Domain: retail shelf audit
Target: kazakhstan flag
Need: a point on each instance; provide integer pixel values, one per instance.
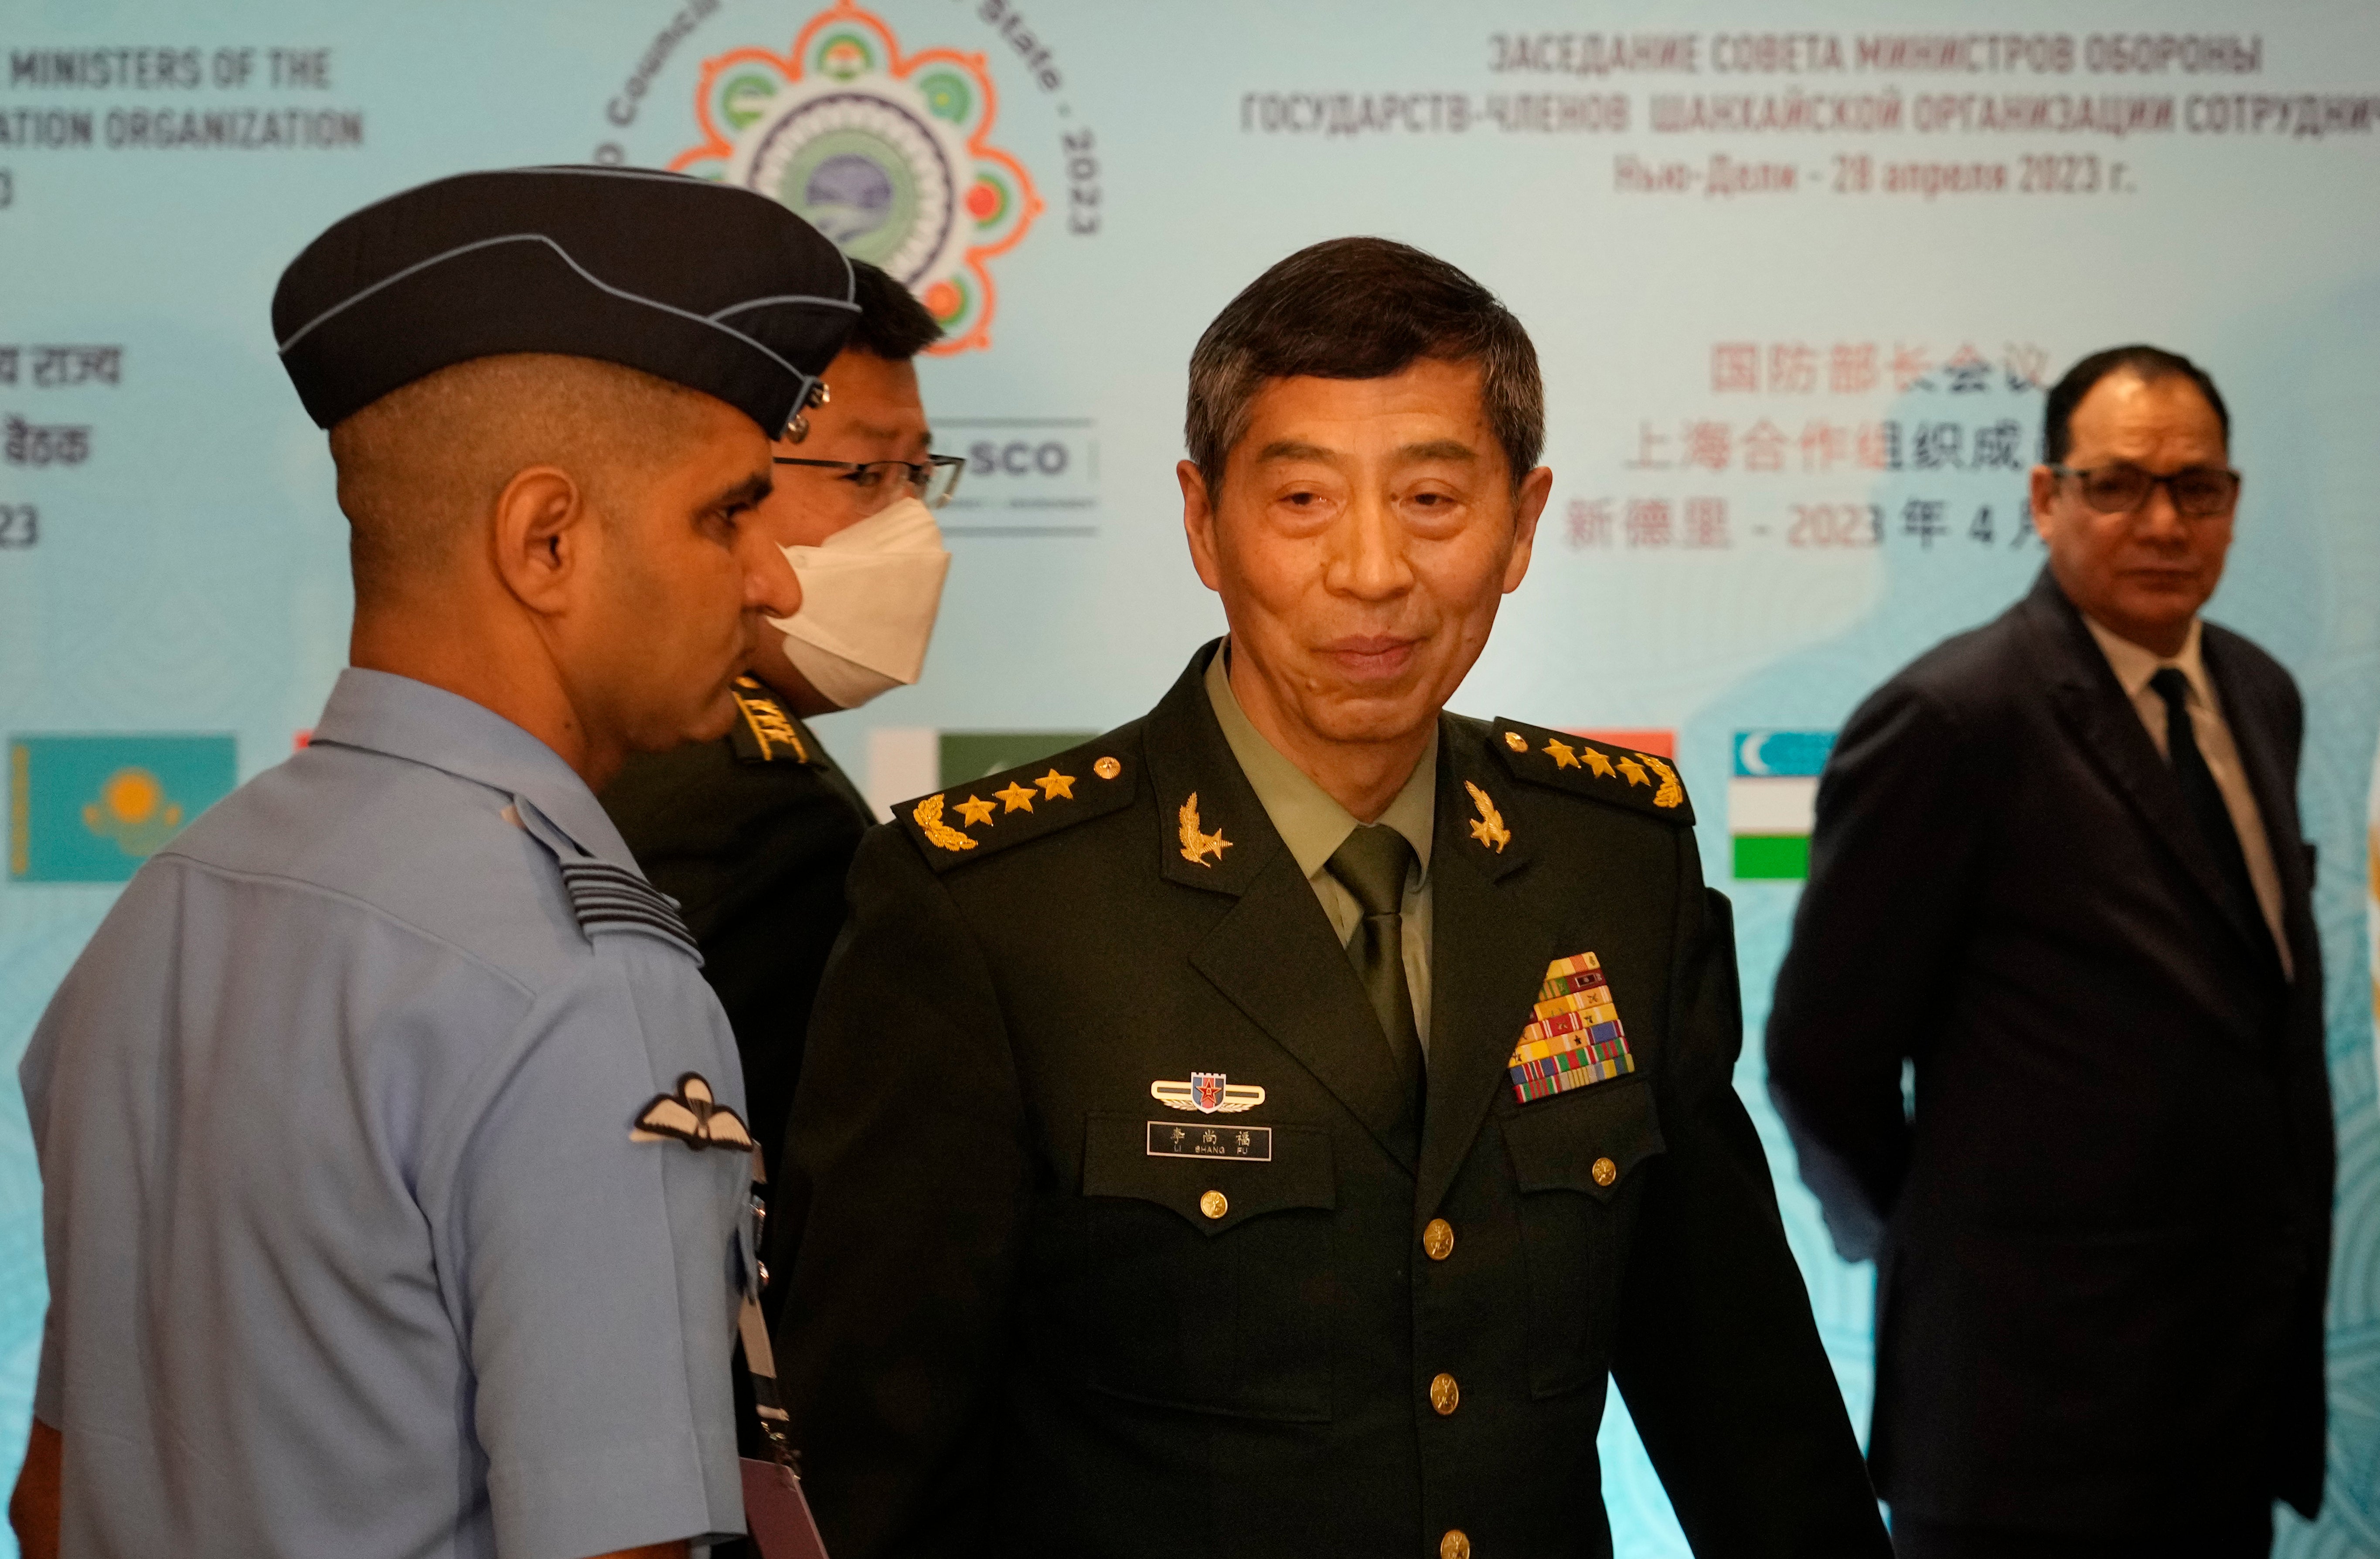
(91, 809)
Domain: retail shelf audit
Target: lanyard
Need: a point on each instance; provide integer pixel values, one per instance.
(759, 1357)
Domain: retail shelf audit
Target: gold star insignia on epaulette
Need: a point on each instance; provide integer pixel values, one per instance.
(1055, 784)
(1634, 770)
(1019, 800)
(1195, 845)
(1489, 826)
(1597, 763)
(976, 811)
(1563, 755)
(1672, 792)
(928, 817)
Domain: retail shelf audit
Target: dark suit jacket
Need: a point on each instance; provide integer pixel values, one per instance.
(2104, 1236)
(1015, 1328)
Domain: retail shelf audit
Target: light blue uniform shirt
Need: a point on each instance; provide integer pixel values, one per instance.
(350, 1251)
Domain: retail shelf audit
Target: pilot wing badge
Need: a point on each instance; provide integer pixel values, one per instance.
(692, 1116)
(1208, 1093)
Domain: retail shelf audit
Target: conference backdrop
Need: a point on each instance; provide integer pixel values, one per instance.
(1799, 275)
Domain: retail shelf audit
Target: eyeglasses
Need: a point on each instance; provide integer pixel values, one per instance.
(932, 481)
(2199, 492)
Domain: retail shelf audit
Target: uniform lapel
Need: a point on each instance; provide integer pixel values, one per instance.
(2109, 732)
(1273, 954)
(1490, 942)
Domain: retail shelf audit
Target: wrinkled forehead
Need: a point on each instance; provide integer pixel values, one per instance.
(1430, 410)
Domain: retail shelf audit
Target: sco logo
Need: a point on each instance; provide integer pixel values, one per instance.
(1016, 465)
(1019, 456)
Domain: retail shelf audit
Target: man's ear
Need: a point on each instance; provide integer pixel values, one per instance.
(543, 537)
(1199, 524)
(2045, 492)
(1528, 504)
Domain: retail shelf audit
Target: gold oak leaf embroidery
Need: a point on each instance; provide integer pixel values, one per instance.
(1054, 784)
(1489, 826)
(1195, 845)
(1634, 770)
(1672, 792)
(976, 811)
(929, 816)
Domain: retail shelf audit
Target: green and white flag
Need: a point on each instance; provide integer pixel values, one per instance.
(1772, 801)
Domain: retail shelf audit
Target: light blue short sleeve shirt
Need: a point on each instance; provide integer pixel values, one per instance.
(351, 1250)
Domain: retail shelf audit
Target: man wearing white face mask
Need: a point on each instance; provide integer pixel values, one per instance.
(753, 833)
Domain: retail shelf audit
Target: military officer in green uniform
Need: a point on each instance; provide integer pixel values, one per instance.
(752, 834)
(1266, 1128)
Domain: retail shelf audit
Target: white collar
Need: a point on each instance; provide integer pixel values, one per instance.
(2135, 665)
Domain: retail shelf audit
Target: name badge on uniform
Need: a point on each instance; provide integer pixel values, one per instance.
(1575, 1038)
(1186, 1139)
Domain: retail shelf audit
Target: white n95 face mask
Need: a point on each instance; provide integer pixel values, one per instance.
(869, 598)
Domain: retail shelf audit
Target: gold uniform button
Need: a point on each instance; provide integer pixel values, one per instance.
(1604, 1171)
(1438, 1239)
(1454, 1545)
(1518, 743)
(1214, 1204)
(1107, 768)
(1444, 1395)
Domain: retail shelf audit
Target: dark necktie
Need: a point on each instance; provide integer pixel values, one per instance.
(2204, 796)
(1371, 865)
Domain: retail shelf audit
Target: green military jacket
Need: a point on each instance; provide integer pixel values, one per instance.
(752, 835)
(1045, 1302)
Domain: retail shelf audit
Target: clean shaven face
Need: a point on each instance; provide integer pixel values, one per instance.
(1362, 538)
(676, 602)
(873, 413)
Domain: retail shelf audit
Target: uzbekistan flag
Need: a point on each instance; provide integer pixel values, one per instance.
(1772, 801)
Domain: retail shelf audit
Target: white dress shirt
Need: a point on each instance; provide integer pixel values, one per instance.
(2133, 666)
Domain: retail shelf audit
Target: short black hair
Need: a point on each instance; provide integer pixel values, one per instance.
(893, 324)
(2143, 361)
(1361, 309)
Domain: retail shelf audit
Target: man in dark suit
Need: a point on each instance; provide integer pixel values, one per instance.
(1263, 1129)
(753, 833)
(2058, 868)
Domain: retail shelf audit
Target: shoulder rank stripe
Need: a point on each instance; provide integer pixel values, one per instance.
(766, 734)
(611, 898)
(1640, 781)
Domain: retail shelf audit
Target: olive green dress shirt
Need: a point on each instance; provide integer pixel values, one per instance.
(1314, 825)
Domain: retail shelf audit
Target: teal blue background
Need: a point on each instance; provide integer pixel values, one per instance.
(63, 774)
(192, 576)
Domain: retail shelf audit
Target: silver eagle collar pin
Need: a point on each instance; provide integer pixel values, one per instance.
(693, 1117)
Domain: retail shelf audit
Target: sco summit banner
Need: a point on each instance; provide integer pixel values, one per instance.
(1799, 273)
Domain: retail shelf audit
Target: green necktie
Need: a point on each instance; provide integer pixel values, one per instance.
(1371, 865)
